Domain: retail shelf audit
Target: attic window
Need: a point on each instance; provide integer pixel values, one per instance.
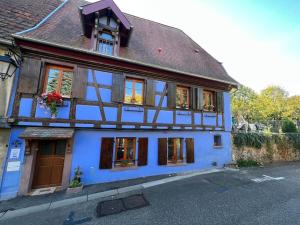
(106, 43)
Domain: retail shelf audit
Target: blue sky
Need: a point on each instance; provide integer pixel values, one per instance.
(258, 41)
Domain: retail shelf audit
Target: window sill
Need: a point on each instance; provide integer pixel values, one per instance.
(133, 108)
(183, 109)
(120, 168)
(184, 113)
(218, 146)
(209, 111)
(176, 164)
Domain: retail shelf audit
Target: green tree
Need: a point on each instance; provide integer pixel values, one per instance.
(288, 126)
(272, 103)
(293, 108)
(244, 104)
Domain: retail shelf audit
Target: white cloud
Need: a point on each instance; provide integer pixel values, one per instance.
(250, 59)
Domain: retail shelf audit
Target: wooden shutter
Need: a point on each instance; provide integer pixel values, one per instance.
(118, 84)
(162, 151)
(190, 150)
(197, 98)
(30, 76)
(79, 83)
(150, 92)
(220, 102)
(143, 152)
(106, 155)
(171, 95)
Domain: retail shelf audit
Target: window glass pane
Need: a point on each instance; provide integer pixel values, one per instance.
(179, 149)
(128, 91)
(46, 147)
(171, 155)
(60, 148)
(182, 97)
(217, 140)
(105, 48)
(52, 82)
(66, 83)
(120, 149)
(175, 150)
(178, 94)
(106, 36)
(139, 93)
(130, 149)
(125, 152)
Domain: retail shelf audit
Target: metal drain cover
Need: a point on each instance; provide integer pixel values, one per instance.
(135, 202)
(119, 205)
(110, 207)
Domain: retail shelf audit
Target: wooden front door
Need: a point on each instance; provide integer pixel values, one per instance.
(49, 164)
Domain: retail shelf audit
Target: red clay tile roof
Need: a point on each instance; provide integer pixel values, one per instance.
(18, 15)
(150, 42)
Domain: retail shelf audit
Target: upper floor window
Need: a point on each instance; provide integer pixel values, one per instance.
(182, 97)
(106, 43)
(134, 91)
(209, 101)
(59, 79)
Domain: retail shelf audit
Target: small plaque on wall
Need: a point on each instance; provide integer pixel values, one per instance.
(14, 153)
(13, 166)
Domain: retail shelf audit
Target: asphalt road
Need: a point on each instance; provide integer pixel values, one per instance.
(229, 197)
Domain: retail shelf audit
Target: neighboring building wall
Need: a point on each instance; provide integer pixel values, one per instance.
(4, 140)
(5, 91)
(12, 166)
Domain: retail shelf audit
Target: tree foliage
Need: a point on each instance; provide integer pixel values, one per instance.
(271, 104)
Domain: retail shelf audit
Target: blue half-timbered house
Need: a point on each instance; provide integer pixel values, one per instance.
(139, 98)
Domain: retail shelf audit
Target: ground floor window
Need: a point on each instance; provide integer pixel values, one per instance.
(125, 152)
(175, 150)
(217, 141)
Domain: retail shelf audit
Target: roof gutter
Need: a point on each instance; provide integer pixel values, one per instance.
(120, 59)
(43, 20)
(5, 41)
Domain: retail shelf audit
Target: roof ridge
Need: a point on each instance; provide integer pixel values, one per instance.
(151, 21)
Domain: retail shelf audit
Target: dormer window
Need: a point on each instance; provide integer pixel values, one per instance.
(106, 26)
(106, 43)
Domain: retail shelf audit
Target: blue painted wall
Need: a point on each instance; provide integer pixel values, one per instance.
(129, 113)
(11, 179)
(86, 154)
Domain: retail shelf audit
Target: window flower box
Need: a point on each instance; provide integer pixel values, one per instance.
(51, 101)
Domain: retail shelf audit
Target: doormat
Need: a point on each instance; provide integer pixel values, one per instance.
(42, 191)
(119, 205)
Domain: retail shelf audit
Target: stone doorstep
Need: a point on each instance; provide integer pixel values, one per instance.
(103, 196)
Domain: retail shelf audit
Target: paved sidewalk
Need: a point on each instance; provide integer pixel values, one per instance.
(30, 204)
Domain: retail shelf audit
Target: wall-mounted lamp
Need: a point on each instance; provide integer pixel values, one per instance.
(9, 63)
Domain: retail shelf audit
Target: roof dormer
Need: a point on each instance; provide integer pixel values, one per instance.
(105, 24)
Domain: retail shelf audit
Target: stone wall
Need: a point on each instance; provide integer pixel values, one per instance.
(266, 154)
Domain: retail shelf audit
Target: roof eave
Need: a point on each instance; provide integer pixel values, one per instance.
(232, 84)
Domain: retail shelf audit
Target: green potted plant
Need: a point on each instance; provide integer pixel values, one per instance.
(76, 185)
